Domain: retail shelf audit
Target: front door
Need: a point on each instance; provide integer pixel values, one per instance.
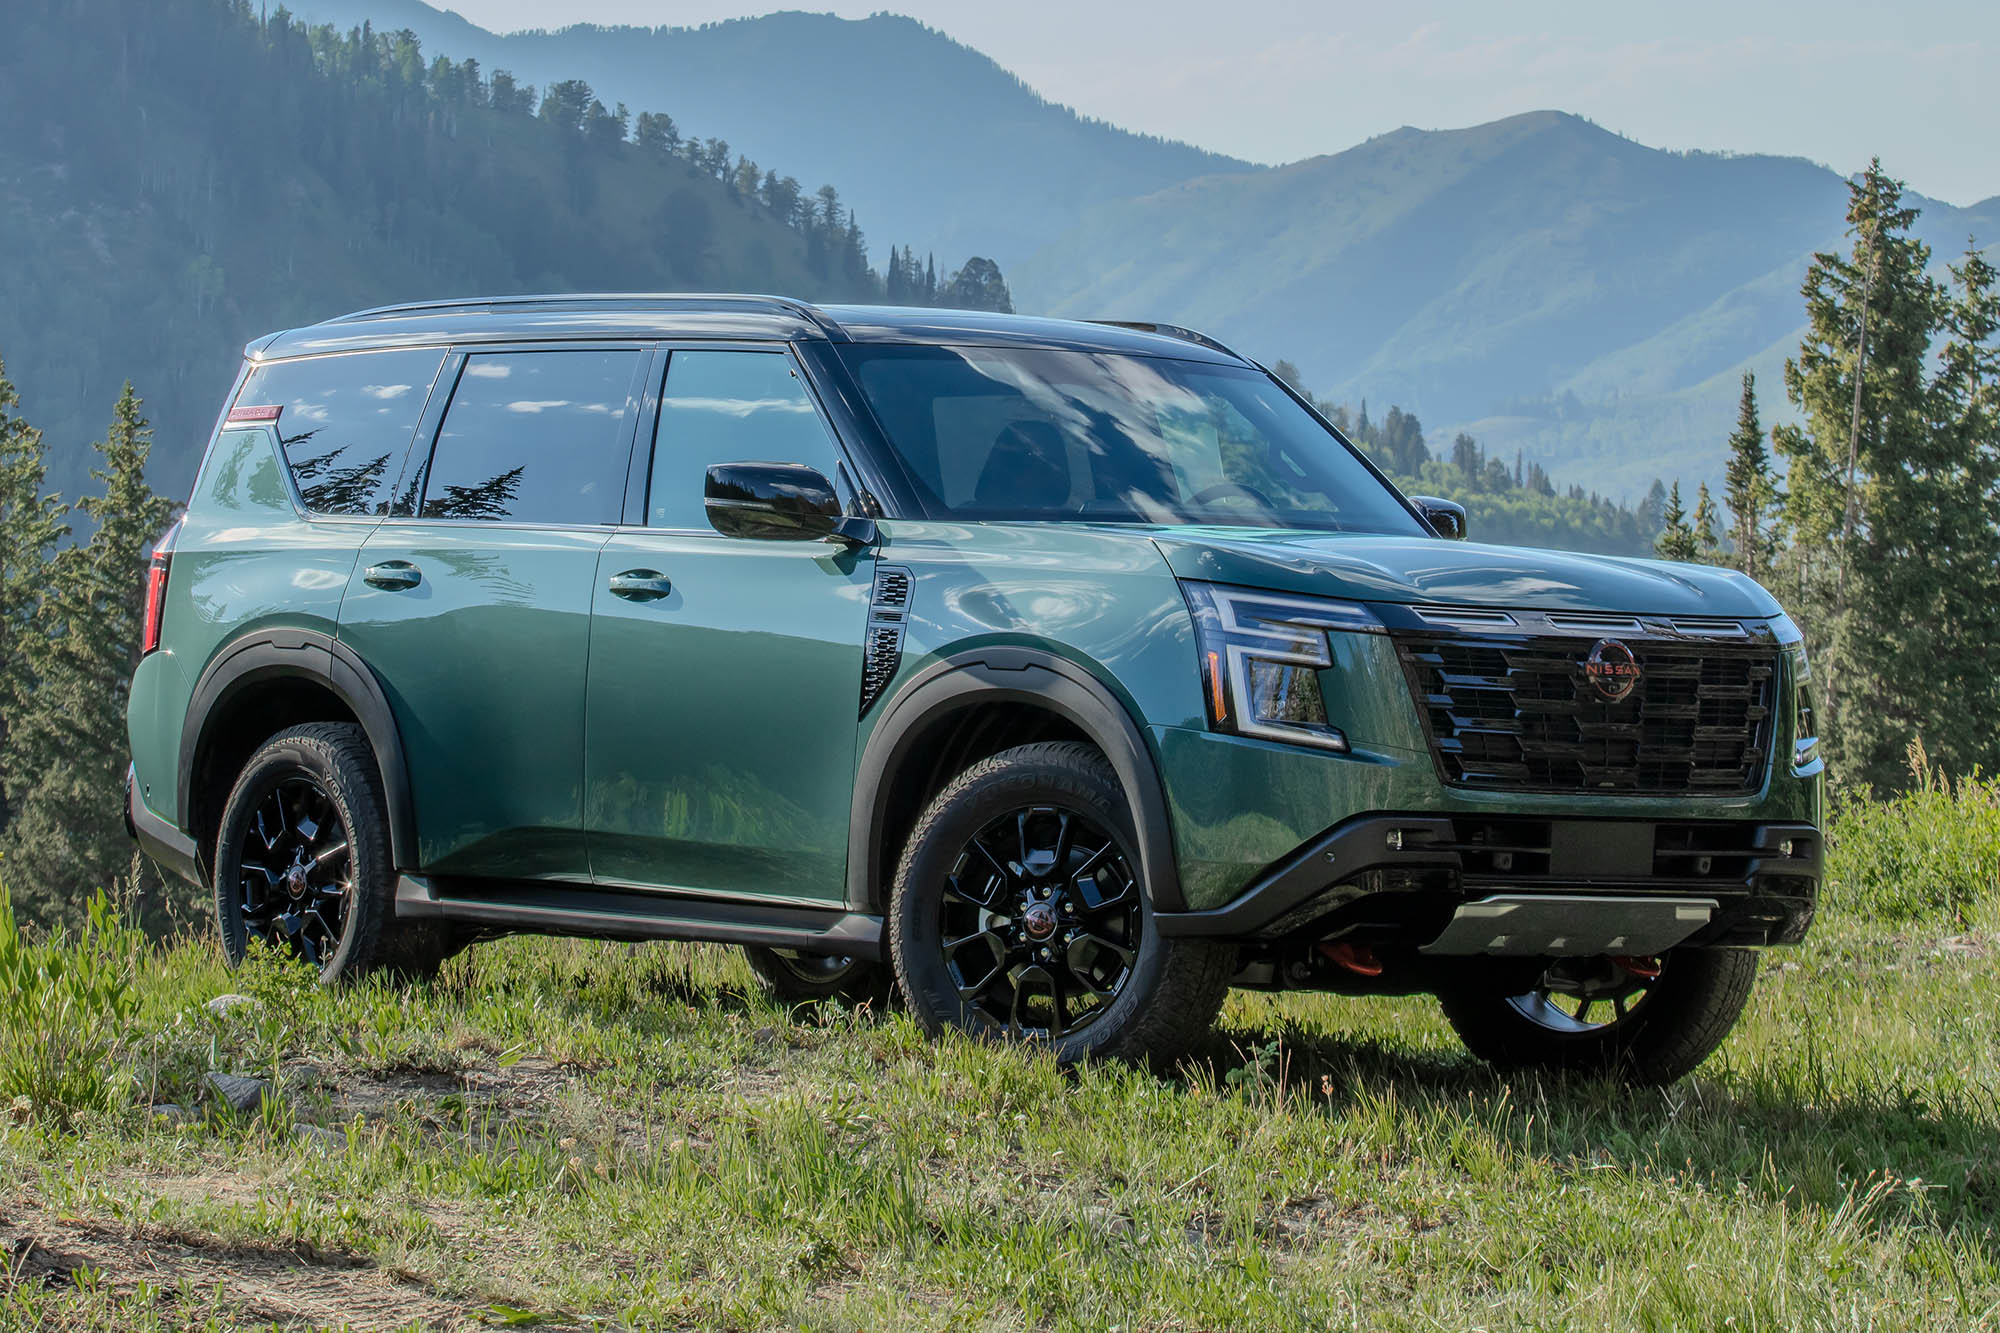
(725, 673)
(472, 604)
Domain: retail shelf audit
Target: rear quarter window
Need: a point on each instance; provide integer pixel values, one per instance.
(242, 475)
(346, 421)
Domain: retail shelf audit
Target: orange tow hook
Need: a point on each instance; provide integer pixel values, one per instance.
(1356, 958)
(1649, 968)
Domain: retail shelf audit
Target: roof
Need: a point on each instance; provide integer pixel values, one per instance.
(723, 317)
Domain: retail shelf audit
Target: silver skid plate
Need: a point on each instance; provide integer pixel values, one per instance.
(1571, 925)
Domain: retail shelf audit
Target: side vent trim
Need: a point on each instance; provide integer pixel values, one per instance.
(888, 613)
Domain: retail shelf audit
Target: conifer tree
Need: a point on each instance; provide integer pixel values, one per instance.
(1707, 541)
(1945, 521)
(1676, 540)
(66, 752)
(30, 526)
(1749, 490)
(1862, 491)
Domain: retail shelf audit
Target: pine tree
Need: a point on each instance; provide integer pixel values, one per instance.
(1942, 661)
(1676, 540)
(1707, 542)
(1862, 497)
(30, 526)
(65, 755)
(1749, 489)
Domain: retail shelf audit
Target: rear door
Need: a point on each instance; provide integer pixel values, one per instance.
(724, 699)
(472, 601)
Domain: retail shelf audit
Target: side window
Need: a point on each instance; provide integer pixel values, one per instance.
(536, 437)
(242, 475)
(345, 422)
(729, 407)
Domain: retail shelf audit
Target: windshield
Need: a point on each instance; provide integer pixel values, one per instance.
(1014, 433)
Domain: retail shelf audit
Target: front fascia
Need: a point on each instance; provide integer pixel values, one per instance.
(1239, 806)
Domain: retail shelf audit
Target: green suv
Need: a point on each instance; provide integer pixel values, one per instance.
(1057, 676)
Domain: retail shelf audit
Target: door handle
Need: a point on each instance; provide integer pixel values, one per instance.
(640, 585)
(395, 575)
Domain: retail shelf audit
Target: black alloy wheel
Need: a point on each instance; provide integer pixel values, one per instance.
(1588, 995)
(302, 861)
(296, 874)
(1020, 913)
(1647, 1020)
(1041, 921)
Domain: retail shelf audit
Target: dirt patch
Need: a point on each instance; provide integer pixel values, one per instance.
(292, 1288)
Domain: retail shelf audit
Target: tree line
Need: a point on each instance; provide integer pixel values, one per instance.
(1518, 505)
(443, 90)
(1882, 536)
(186, 175)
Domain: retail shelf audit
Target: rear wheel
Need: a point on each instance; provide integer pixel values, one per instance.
(793, 978)
(1650, 1020)
(1019, 913)
(302, 860)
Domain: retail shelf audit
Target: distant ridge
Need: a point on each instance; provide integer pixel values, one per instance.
(1548, 284)
(927, 139)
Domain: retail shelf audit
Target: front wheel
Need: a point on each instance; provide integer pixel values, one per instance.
(1019, 913)
(1651, 1020)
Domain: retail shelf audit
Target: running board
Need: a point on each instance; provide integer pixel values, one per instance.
(546, 908)
(1571, 925)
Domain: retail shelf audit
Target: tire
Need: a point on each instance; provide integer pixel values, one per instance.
(964, 962)
(794, 978)
(1659, 1028)
(302, 860)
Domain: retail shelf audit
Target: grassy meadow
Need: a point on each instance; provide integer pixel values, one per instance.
(564, 1134)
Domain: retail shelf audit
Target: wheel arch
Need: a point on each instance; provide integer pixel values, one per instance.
(1055, 698)
(262, 683)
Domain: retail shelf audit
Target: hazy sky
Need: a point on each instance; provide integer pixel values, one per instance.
(1277, 80)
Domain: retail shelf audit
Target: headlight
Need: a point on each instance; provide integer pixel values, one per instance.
(1261, 655)
(1805, 718)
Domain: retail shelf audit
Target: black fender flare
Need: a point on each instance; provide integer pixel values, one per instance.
(312, 655)
(1007, 674)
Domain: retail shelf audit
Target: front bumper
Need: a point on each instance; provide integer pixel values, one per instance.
(1411, 877)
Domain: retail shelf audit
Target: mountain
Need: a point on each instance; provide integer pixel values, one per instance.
(177, 178)
(928, 140)
(1538, 281)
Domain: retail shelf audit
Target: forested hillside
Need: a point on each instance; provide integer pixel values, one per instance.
(178, 176)
(932, 139)
(1509, 502)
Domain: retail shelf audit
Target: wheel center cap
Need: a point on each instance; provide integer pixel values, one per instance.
(295, 880)
(1039, 921)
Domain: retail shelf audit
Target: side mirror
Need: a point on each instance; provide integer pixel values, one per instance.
(1447, 518)
(785, 502)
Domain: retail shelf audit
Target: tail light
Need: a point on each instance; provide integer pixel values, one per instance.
(156, 590)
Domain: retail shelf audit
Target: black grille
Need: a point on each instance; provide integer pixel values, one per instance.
(888, 612)
(1521, 713)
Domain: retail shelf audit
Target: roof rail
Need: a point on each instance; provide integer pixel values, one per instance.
(1172, 331)
(777, 304)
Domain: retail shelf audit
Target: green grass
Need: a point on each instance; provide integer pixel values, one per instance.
(595, 1135)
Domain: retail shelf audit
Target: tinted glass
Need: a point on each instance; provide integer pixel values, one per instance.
(1007, 433)
(536, 437)
(346, 423)
(242, 475)
(729, 407)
